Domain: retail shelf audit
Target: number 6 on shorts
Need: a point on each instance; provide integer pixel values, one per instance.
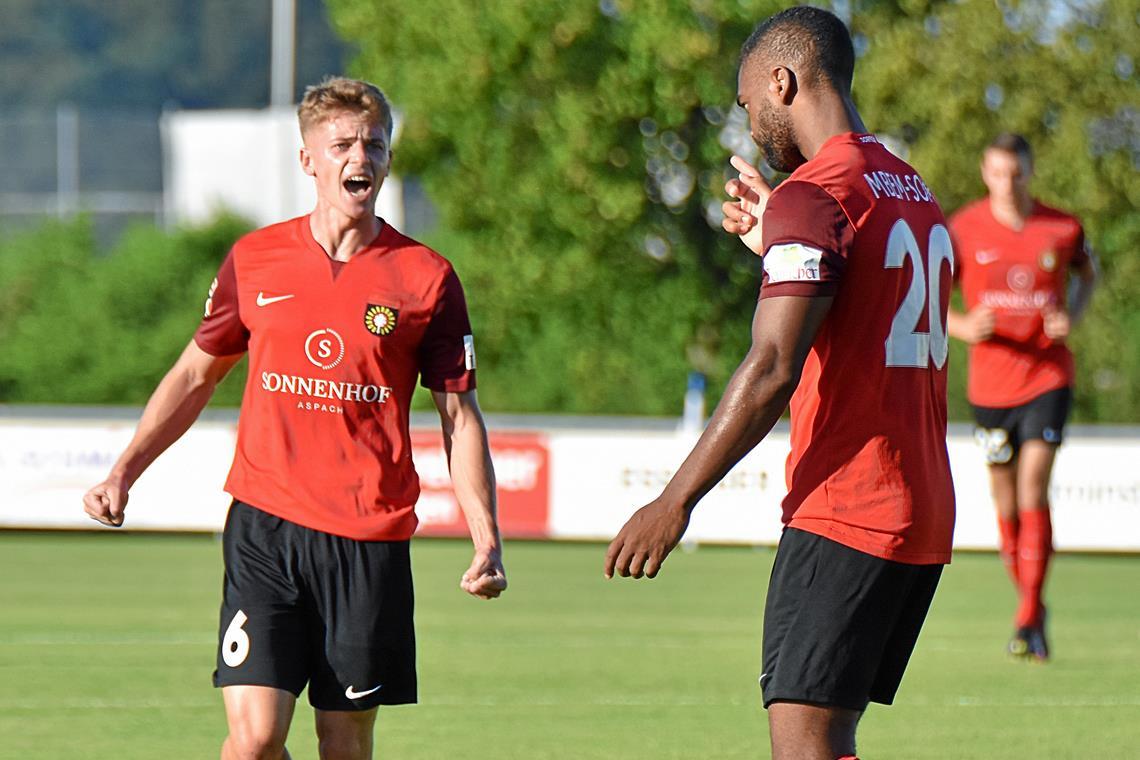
(235, 644)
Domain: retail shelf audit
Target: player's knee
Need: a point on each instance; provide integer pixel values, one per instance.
(1033, 494)
(345, 745)
(345, 736)
(249, 742)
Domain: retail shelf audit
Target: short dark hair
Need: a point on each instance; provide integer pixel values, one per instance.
(1011, 142)
(808, 36)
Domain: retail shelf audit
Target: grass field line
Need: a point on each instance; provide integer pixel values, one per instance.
(81, 703)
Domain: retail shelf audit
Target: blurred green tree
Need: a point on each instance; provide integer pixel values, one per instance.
(577, 153)
(945, 78)
(80, 327)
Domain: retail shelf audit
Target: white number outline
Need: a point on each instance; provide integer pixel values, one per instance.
(905, 346)
(235, 642)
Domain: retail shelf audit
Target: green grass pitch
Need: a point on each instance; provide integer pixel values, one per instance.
(107, 645)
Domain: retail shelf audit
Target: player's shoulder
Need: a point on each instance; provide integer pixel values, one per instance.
(272, 234)
(973, 211)
(1052, 215)
(838, 160)
(862, 175)
(412, 254)
(271, 238)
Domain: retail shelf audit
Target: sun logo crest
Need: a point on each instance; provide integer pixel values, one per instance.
(380, 320)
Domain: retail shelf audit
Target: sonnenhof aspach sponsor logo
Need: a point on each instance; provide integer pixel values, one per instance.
(332, 390)
(324, 348)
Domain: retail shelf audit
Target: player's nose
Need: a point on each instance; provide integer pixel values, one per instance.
(357, 153)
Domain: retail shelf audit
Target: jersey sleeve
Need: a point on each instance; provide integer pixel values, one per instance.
(447, 352)
(807, 238)
(221, 332)
(1081, 252)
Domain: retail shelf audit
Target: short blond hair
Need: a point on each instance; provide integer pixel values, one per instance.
(336, 95)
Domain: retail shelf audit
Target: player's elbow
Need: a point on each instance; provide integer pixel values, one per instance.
(773, 374)
(460, 415)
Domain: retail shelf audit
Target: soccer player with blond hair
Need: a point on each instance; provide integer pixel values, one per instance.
(339, 314)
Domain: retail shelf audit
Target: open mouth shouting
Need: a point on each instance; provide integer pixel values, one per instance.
(359, 186)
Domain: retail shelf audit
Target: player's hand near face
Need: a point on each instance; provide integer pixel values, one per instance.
(743, 215)
(1057, 325)
(485, 578)
(106, 502)
(646, 539)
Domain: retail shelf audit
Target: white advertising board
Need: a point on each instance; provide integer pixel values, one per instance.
(47, 466)
(597, 478)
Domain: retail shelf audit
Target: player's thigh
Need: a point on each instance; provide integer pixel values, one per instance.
(365, 648)
(916, 588)
(258, 718)
(345, 734)
(997, 433)
(1041, 428)
(800, 731)
(262, 633)
(1035, 468)
(831, 613)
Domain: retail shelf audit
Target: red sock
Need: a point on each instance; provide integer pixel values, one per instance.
(1007, 530)
(1034, 546)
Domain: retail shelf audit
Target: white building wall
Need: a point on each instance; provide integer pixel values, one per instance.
(247, 162)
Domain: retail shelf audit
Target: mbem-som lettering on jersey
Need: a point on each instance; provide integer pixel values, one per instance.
(908, 187)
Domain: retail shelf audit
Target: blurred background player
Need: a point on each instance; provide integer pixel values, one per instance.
(1014, 257)
(339, 313)
(869, 513)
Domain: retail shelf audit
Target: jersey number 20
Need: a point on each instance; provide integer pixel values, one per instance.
(905, 345)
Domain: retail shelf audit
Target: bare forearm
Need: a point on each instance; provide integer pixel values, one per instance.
(957, 326)
(171, 410)
(752, 403)
(473, 479)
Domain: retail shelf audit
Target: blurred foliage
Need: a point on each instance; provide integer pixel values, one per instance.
(578, 151)
(573, 149)
(80, 327)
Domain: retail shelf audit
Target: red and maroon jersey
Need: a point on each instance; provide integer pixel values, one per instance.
(334, 352)
(868, 466)
(1021, 275)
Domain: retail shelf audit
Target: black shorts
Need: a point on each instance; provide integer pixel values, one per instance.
(840, 625)
(302, 606)
(1001, 431)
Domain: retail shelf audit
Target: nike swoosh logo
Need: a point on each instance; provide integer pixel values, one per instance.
(359, 694)
(986, 257)
(262, 300)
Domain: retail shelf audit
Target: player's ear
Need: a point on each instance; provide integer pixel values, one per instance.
(782, 84)
(307, 162)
